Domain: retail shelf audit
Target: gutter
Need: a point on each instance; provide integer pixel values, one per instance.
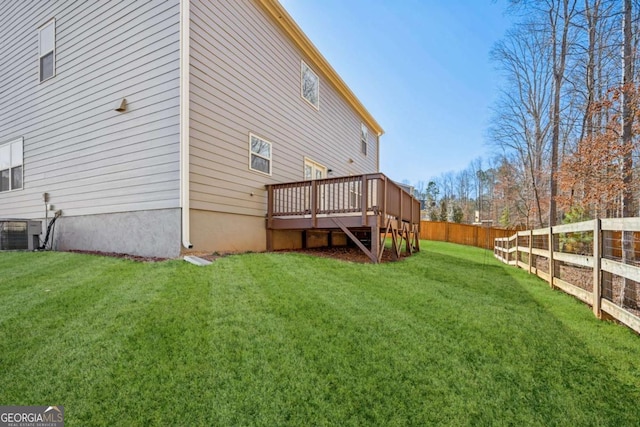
(184, 122)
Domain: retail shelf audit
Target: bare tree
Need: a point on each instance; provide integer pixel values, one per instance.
(560, 13)
(628, 89)
(521, 116)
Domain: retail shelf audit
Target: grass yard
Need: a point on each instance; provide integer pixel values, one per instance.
(448, 336)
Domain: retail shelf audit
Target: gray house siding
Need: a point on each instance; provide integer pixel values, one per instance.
(94, 161)
(245, 77)
(116, 175)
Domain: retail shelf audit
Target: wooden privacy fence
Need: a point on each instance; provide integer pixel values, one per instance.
(596, 261)
(463, 234)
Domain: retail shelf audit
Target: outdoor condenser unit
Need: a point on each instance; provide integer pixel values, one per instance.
(20, 234)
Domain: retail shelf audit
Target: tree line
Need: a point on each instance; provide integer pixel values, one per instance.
(564, 129)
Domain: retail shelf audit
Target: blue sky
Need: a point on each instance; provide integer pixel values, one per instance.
(421, 67)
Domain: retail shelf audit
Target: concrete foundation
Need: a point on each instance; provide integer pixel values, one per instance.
(157, 233)
(145, 233)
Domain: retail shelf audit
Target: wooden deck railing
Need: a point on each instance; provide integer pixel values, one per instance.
(369, 194)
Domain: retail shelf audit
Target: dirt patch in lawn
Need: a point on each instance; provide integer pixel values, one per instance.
(343, 253)
(136, 258)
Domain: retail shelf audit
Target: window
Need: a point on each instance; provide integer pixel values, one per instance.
(259, 154)
(310, 86)
(364, 138)
(11, 165)
(47, 57)
(313, 170)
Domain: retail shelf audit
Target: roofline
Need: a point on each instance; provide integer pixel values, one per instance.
(286, 22)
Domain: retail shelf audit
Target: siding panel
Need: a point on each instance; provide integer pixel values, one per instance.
(245, 77)
(88, 157)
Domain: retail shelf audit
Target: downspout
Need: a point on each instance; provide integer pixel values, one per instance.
(184, 122)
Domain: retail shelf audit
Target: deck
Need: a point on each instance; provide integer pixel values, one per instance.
(370, 206)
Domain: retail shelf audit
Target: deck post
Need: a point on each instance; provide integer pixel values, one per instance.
(269, 220)
(384, 198)
(314, 203)
(375, 242)
(269, 206)
(364, 198)
(269, 240)
(408, 244)
(394, 239)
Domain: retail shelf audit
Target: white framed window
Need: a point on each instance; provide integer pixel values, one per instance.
(310, 86)
(313, 170)
(47, 50)
(364, 138)
(259, 154)
(11, 158)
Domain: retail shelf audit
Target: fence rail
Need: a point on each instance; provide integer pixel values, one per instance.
(596, 261)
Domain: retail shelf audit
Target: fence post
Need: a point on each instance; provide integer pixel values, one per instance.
(551, 266)
(530, 250)
(597, 277)
(517, 254)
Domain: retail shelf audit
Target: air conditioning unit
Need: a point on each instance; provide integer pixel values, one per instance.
(20, 234)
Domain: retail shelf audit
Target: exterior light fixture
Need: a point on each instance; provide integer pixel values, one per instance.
(123, 106)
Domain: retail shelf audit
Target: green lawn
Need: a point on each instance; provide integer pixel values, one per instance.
(448, 336)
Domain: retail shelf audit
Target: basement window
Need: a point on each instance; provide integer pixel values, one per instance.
(47, 49)
(11, 173)
(259, 154)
